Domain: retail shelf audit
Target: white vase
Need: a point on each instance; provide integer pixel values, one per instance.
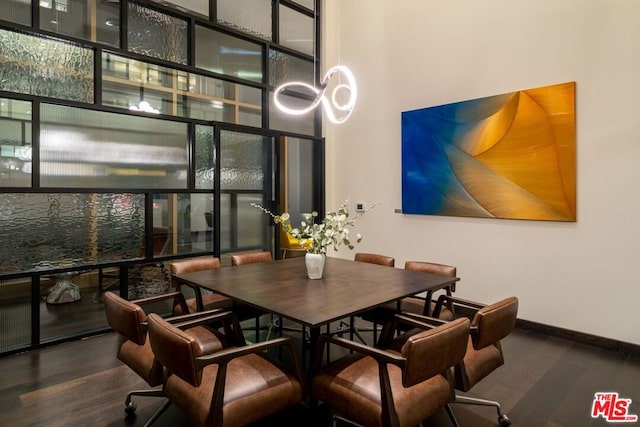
(315, 265)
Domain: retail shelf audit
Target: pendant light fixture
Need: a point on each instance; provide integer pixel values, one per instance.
(336, 110)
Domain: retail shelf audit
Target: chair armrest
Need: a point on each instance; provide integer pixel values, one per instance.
(463, 304)
(171, 295)
(411, 319)
(156, 298)
(228, 318)
(419, 320)
(187, 321)
(223, 357)
(382, 356)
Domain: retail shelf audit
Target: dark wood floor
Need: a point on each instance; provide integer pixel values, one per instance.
(545, 382)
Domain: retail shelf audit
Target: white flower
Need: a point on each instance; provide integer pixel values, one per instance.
(333, 230)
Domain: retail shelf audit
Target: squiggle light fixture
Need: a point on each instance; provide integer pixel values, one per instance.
(329, 106)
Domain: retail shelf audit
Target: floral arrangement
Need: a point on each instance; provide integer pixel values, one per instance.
(333, 230)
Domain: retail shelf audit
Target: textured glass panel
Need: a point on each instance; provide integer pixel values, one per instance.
(53, 230)
(205, 156)
(242, 158)
(192, 217)
(15, 314)
(250, 233)
(286, 122)
(249, 16)
(45, 67)
(287, 68)
(76, 18)
(296, 30)
(15, 143)
(18, 11)
(157, 34)
(224, 54)
(200, 7)
(91, 149)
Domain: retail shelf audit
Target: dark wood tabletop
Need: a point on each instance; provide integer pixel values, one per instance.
(347, 287)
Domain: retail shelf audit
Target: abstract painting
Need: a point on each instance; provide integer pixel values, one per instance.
(505, 156)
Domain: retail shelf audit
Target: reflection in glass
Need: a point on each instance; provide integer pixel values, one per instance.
(251, 232)
(279, 120)
(18, 11)
(15, 143)
(182, 223)
(296, 30)
(61, 230)
(200, 7)
(299, 177)
(224, 54)
(129, 82)
(306, 3)
(242, 160)
(205, 157)
(62, 320)
(249, 16)
(45, 67)
(156, 34)
(95, 20)
(91, 149)
(249, 117)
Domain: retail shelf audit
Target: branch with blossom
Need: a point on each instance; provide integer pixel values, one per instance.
(333, 230)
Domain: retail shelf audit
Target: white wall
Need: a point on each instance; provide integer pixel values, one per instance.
(410, 54)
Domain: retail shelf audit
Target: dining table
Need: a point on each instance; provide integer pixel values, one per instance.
(347, 287)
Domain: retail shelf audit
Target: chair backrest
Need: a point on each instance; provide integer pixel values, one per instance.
(494, 322)
(194, 264)
(251, 258)
(126, 318)
(434, 351)
(175, 349)
(431, 267)
(375, 259)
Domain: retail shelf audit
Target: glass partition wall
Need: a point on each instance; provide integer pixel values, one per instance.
(134, 132)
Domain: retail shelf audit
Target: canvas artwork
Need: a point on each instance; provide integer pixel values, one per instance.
(504, 156)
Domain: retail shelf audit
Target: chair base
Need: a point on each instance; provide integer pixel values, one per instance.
(503, 420)
(130, 407)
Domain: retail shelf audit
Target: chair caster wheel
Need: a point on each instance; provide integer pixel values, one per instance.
(130, 409)
(504, 421)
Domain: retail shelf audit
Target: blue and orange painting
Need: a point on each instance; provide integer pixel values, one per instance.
(505, 156)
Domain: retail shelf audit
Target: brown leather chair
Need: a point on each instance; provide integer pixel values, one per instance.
(129, 320)
(250, 258)
(233, 387)
(378, 259)
(489, 324)
(417, 304)
(254, 258)
(352, 328)
(206, 301)
(384, 387)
